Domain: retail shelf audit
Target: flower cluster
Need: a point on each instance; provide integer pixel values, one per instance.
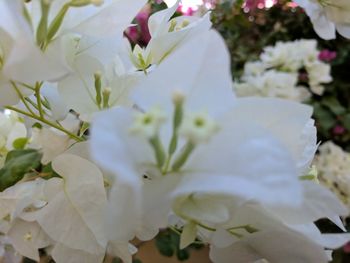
(118, 142)
(288, 70)
(333, 165)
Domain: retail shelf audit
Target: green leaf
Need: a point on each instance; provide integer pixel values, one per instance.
(333, 105)
(183, 254)
(165, 245)
(346, 121)
(324, 117)
(17, 164)
(48, 171)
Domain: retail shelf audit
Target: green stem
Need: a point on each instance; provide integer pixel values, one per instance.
(183, 157)
(22, 98)
(38, 99)
(47, 122)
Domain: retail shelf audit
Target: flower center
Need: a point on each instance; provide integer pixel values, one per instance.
(196, 128)
(175, 26)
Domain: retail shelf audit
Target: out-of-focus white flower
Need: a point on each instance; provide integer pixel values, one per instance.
(318, 73)
(333, 166)
(254, 68)
(272, 83)
(281, 67)
(328, 16)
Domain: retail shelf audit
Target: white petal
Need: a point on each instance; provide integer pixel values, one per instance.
(275, 246)
(206, 82)
(80, 205)
(112, 19)
(158, 22)
(318, 203)
(27, 238)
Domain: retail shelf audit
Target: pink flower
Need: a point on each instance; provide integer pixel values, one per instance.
(132, 33)
(139, 34)
(346, 248)
(142, 20)
(188, 11)
(339, 130)
(327, 55)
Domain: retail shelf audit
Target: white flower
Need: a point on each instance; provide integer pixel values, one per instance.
(333, 166)
(252, 156)
(168, 34)
(328, 16)
(26, 236)
(99, 77)
(272, 83)
(277, 72)
(17, 53)
(318, 73)
(282, 56)
(254, 68)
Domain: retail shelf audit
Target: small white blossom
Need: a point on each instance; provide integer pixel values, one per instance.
(198, 127)
(148, 124)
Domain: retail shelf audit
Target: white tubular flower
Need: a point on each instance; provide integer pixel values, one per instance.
(198, 127)
(148, 124)
(96, 66)
(328, 16)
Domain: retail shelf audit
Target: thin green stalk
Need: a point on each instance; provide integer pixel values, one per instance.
(22, 98)
(47, 122)
(38, 99)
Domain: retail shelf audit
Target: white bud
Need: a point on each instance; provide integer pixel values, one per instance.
(178, 97)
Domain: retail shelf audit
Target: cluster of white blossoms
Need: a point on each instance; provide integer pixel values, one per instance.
(124, 141)
(333, 165)
(328, 16)
(288, 70)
